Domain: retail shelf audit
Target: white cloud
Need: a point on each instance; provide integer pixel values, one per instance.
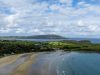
(45, 18)
(83, 4)
(81, 23)
(5, 30)
(20, 30)
(11, 21)
(55, 7)
(35, 31)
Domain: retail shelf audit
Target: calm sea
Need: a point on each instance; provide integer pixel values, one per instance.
(93, 40)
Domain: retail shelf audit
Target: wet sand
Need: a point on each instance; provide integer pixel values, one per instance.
(51, 63)
(16, 64)
(29, 64)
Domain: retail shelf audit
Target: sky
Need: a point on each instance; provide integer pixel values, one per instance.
(70, 18)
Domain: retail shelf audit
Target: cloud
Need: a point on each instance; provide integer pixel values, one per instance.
(80, 23)
(20, 30)
(5, 30)
(31, 17)
(11, 20)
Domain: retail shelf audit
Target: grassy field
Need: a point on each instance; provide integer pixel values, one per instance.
(15, 47)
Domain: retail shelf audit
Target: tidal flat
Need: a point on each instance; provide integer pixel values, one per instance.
(51, 63)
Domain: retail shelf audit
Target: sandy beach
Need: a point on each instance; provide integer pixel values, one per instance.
(16, 64)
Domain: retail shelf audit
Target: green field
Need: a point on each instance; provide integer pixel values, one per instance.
(15, 47)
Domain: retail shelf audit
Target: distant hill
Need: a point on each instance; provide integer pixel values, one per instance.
(34, 37)
(46, 37)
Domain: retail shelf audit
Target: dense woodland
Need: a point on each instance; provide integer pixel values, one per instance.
(8, 47)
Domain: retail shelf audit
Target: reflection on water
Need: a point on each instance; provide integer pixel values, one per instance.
(66, 63)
